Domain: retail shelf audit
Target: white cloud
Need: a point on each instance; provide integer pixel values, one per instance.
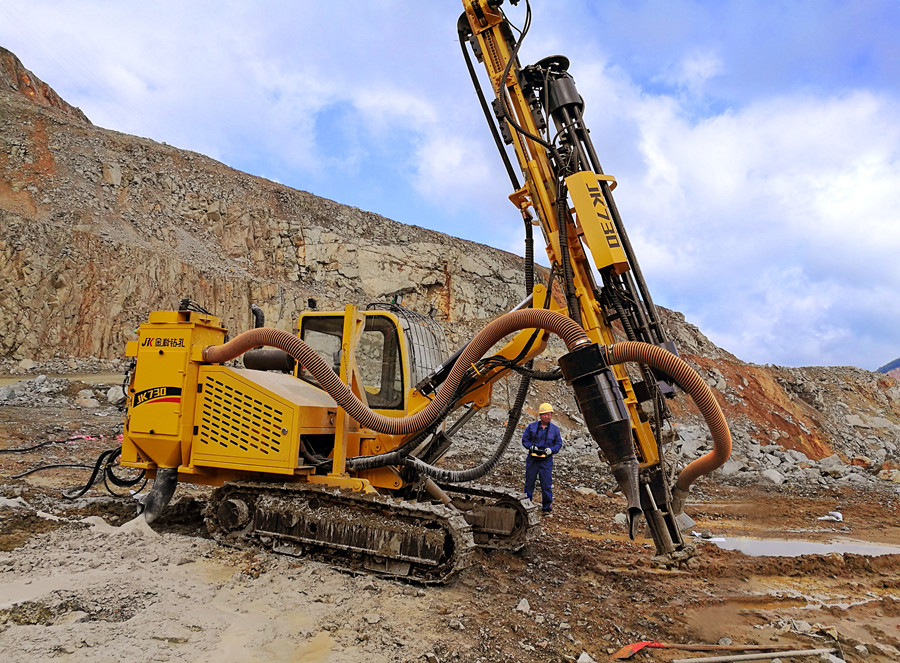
(771, 225)
(694, 69)
(774, 204)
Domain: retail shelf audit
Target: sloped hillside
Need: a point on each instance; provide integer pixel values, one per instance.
(891, 368)
(100, 227)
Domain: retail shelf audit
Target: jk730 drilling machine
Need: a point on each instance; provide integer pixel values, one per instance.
(326, 443)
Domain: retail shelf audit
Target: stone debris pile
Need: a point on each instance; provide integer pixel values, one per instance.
(44, 391)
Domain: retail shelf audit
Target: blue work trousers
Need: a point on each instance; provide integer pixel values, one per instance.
(543, 468)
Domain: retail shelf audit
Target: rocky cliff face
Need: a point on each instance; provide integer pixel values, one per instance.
(98, 228)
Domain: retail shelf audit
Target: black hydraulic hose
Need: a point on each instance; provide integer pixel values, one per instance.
(109, 475)
(40, 445)
(474, 473)
(562, 219)
(105, 461)
(396, 456)
(620, 311)
(550, 279)
(463, 30)
(101, 459)
(647, 374)
(522, 392)
(512, 363)
(102, 467)
(514, 415)
(41, 468)
(501, 92)
(543, 376)
(310, 457)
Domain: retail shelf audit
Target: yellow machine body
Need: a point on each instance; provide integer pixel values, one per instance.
(162, 394)
(216, 423)
(265, 435)
(252, 420)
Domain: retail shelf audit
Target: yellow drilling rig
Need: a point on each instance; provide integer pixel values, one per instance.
(327, 442)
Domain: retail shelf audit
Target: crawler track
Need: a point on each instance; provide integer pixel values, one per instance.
(501, 518)
(424, 542)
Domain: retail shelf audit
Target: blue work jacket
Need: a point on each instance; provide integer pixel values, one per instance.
(535, 436)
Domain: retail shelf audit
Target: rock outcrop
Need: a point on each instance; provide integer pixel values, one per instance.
(15, 77)
(98, 228)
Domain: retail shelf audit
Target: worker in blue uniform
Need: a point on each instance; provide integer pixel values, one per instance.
(542, 441)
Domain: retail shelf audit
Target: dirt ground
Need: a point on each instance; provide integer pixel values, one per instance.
(81, 580)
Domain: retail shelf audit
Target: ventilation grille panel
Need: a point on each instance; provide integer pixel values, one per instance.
(233, 422)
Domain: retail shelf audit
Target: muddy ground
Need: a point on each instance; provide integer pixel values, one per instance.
(80, 580)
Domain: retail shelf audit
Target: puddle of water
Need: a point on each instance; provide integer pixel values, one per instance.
(794, 548)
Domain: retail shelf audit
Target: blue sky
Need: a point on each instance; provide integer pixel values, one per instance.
(756, 145)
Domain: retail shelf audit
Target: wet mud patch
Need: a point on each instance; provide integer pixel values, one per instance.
(17, 528)
(183, 516)
(71, 607)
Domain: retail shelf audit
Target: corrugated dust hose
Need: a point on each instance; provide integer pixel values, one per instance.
(570, 332)
(693, 384)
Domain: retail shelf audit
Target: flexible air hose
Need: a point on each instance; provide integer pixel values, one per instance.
(562, 220)
(402, 453)
(568, 330)
(693, 384)
(515, 413)
(396, 456)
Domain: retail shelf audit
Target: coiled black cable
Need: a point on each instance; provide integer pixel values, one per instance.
(103, 468)
(474, 473)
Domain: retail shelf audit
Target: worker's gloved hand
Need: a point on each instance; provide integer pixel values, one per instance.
(548, 451)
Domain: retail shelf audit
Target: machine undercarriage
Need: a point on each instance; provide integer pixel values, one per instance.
(374, 533)
(425, 541)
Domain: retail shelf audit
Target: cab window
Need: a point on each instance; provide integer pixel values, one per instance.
(377, 356)
(324, 336)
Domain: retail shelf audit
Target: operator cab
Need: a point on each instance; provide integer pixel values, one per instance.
(396, 349)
